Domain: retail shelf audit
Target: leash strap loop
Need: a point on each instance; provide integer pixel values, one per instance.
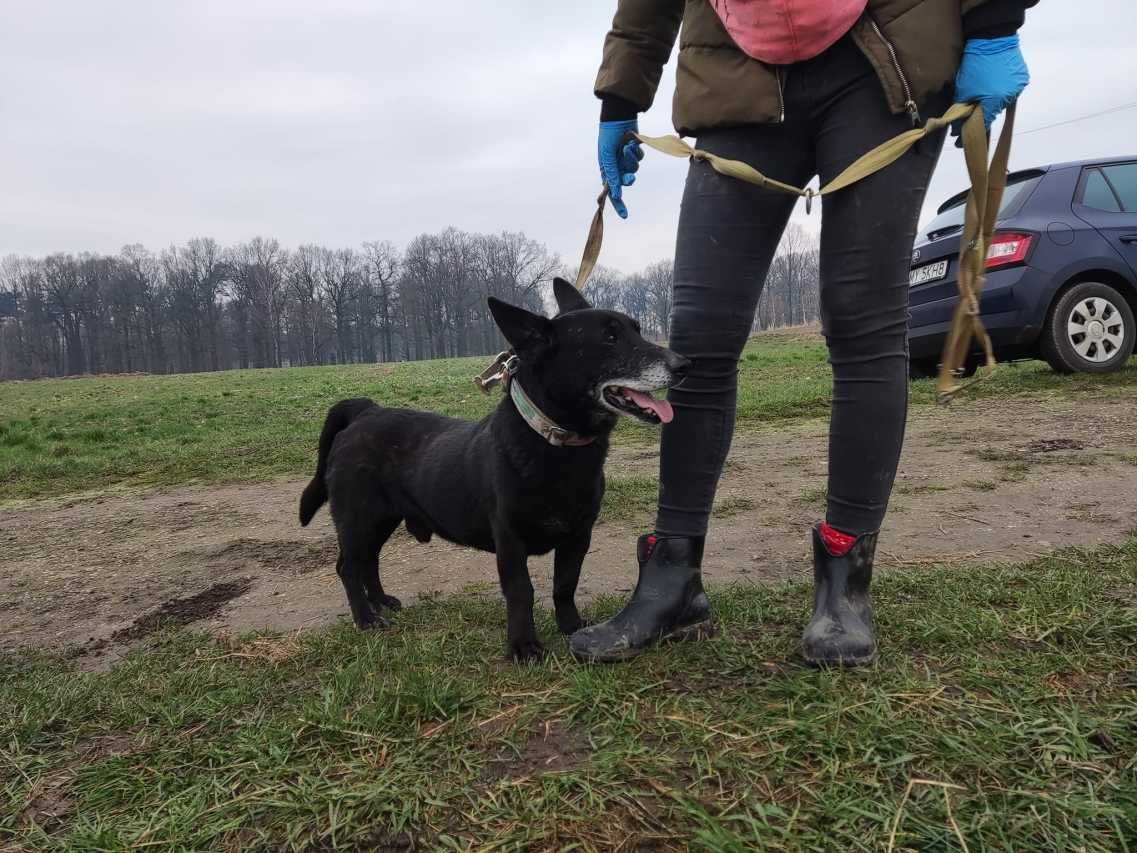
(594, 242)
(983, 200)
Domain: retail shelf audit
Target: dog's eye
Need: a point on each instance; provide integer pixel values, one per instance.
(610, 336)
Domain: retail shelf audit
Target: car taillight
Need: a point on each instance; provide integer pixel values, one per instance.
(1007, 248)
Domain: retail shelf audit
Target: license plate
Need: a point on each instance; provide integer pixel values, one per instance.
(926, 273)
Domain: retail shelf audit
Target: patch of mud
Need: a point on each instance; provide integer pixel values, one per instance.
(549, 748)
(181, 611)
(1050, 445)
(51, 799)
(295, 556)
(192, 515)
(1126, 595)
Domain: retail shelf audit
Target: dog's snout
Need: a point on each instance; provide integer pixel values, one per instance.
(678, 365)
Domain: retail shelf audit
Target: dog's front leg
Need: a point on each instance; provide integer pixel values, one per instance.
(566, 574)
(513, 572)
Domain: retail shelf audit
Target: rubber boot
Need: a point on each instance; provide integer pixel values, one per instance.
(669, 604)
(840, 632)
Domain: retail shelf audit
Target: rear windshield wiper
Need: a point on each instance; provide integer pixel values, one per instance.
(943, 232)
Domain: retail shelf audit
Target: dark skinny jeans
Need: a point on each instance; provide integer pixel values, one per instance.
(835, 111)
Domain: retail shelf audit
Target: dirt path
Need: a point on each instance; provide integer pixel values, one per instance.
(980, 481)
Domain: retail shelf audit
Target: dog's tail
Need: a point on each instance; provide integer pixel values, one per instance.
(339, 416)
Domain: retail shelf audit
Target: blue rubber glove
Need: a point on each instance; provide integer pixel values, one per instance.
(618, 160)
(992, 74)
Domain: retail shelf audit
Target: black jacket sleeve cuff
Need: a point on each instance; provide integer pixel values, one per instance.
(615, 108)
(995, 19)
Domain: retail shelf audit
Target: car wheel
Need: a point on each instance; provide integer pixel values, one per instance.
(1091, 330)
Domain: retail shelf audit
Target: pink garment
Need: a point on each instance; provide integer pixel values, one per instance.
(780, 32)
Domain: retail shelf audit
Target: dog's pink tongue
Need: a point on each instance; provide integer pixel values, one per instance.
(662, 408)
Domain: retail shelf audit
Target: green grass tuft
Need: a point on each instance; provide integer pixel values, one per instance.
(732, 505)
(628, 498)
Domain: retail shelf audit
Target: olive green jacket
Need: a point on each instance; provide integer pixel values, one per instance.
(914, 45)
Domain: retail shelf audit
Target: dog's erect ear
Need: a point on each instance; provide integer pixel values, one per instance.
(568, 297)
(523, 329)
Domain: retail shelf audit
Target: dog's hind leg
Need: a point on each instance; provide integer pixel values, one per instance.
(359, 560)
(566, 574)
(373, 583)
(513, 572)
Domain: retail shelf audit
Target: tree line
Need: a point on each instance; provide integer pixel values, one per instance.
(202, 306)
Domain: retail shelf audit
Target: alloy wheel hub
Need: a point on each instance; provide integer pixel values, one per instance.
(1095, 329)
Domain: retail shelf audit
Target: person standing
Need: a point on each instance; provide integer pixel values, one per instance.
(796, 88)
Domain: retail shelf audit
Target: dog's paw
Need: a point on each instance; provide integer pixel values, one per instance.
(390, 602)
(526, 651)
(572, 623)
(372, 622)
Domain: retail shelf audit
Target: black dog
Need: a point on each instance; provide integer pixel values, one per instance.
(527, 479)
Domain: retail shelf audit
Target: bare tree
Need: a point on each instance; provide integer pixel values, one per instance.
(142, 274)
(340, 281)
(660, 278)
(790, 293)
(65, 306)
(511, 267)
(605, 289)
(32, 343)
(381, 273)
(303, 275)
(256, 281)
(636, 301)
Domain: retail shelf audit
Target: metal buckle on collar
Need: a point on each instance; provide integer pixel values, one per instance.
(556, 436)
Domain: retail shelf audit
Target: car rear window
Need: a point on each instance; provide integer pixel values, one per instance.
(1096, 193)
(1124, 180)
(951, 219)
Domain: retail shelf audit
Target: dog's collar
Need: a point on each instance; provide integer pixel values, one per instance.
(541, 423)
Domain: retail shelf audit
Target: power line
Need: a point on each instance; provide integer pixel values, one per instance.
(1116, 109)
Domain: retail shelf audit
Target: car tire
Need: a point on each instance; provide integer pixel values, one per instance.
(1090, 330)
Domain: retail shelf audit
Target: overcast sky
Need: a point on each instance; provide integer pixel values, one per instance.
(154, 121)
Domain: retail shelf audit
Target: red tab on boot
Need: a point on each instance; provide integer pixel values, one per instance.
(647, 545)
(836, 542)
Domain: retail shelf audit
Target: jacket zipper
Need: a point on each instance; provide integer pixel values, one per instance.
(781, 97)
(909, 102)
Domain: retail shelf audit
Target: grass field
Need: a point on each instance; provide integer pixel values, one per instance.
(59, 437)
(1002, 713)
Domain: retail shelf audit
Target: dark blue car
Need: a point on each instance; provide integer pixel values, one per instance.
(1061, 270)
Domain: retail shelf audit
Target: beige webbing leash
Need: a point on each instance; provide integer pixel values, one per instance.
(983, 202)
